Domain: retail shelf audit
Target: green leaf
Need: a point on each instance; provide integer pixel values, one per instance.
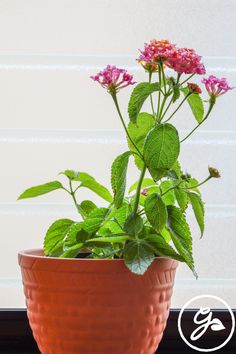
(198, 209)
(86, 206)
(109, 239)
(118, 177)
(162, 248)
(138, 97)
(161, 149)
(77, 176)
(147, 182)
(97, 188)
(138, 256)
(95, 220)
(196, 104)
(133, 225)
(72, 252)
(71, 238)
(138, 132)
(191, 183)
(54, 239)
(40, 190)
(155, 210)
(169, 197)
(182, 198)
(180, 234)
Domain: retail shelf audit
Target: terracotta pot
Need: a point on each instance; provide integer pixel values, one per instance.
(88, 306)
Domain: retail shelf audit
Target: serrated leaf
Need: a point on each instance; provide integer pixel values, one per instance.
(133, 225)
(72, 252)
(118, 177)
(169, 197)
(71, 238)
(196, 104)
(138, 256)
(140, 93)
(109, 239)
(40, 190)
(97, 188)
(162, 248)
(95, 220)
(180, 234)
(86, 206)
(180, 194)
(198, 209)
(77, 176)
(161, 149)
(54, 239)
(138, 132)
(156, 212)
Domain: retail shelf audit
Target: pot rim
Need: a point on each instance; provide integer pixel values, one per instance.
(33, 252)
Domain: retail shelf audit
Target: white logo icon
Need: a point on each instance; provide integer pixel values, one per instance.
(205, 319)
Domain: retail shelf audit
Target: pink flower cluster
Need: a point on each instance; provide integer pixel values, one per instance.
(182, 60)
(113, 78)
(186, 61)
(216, 86)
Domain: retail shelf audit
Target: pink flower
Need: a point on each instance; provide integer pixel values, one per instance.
(216, 86)
(144, 192)
(186, 61)
(113, 78)
(154, 52)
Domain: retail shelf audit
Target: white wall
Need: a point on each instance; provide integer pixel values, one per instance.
(54, 117)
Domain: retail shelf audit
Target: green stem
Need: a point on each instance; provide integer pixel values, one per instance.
(183, 82)
(159, 95)
(123, 123)
(163, 76)
(197, 126)
(162, 107)
(199, 184)
(166, 110)
(151, 99)
(170, 189)
(181, 103)
(72, 193)
(137, 196)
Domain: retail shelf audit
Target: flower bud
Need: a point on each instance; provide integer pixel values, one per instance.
(194, 88)
(144, 192)
(214, 172)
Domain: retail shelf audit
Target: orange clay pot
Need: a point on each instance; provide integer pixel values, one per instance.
(88, 306)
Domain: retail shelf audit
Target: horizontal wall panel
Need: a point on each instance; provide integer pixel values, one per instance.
(26, 164)
(68, 26)
(69, 99)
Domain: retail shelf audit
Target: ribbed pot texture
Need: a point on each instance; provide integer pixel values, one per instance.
(88, 306)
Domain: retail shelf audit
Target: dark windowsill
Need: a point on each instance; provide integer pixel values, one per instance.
(16, 336)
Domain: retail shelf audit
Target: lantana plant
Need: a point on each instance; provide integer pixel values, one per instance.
(150, 220)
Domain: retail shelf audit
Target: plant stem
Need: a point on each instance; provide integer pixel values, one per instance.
(199, 184)
(170, 189)
(183, 82)
(166, 110)
(151, 99)
(181, 103)
(197, 126)
(163, 76)
(123, 123)
(137, 196)
(162, 107)
(159, 95)
(72, 193)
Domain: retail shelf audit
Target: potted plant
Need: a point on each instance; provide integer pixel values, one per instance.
(103, 283)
